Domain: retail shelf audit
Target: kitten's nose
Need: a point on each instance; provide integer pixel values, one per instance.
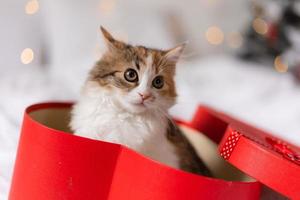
(145, 96)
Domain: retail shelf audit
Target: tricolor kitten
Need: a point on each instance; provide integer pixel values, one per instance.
(126, 99)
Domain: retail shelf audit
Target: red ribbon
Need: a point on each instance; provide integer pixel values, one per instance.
(284, 150)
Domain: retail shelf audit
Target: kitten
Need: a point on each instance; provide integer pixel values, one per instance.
(126, 99)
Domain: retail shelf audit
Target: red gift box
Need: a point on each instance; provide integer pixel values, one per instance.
(272, 161)
(53, 164)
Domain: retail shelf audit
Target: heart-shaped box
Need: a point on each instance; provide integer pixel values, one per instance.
(52, 164)
(272, 161)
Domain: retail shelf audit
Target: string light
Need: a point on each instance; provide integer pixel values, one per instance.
(27, 56)
(32, 7)
(107, 6)
(234, 40)
(214, 35)
(260, 26)
(279, 65)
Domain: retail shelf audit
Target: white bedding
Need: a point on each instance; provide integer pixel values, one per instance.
(254, 93)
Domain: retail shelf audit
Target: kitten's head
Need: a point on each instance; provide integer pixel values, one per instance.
(137, 78)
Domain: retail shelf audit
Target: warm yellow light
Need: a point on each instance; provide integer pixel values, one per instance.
(234, 40)
(280, 66)
(32, 7)
(260, 26)
(27, 56)
(214, 35)
(107, 6)
(212, 2)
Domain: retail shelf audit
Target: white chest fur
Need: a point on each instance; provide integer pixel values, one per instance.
(97, 117)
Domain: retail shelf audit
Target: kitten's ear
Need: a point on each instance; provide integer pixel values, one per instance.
(111, 42)
(174, 54)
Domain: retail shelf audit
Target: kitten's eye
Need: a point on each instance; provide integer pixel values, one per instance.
(158, 82)
(131, 75)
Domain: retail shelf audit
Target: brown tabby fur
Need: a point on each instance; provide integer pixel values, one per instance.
(189, 160)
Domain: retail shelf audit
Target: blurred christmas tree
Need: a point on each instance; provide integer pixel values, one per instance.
(274, 35)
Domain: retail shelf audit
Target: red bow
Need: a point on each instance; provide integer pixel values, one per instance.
(284, 150)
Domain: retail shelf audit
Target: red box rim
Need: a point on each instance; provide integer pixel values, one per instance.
(28, 183)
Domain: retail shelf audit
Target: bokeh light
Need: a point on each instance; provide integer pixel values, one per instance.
(234, 40)
(107, 6)
(214, 35)
(210, 2)
(260, 26)
(280, 65)
(32, 7)
(27, 56)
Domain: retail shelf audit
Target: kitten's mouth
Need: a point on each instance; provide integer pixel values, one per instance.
(140, 104)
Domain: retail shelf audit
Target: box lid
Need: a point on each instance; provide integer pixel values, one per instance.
(272, 161)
